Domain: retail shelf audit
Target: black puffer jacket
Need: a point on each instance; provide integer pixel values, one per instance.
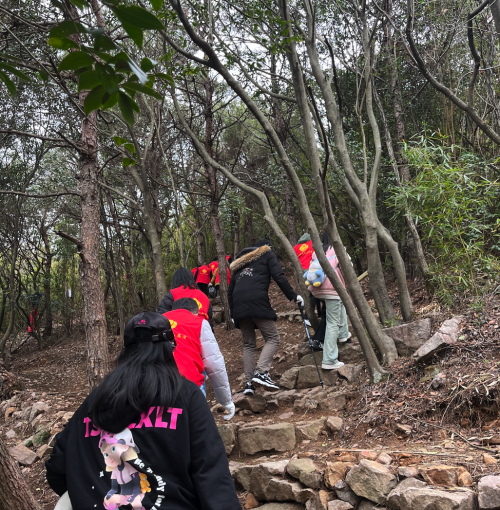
(251, 275)
(168, 301)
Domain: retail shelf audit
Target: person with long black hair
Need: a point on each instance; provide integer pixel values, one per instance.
(145, 437)
(184, 286)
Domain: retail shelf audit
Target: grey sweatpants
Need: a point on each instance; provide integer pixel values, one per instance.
(272, 338)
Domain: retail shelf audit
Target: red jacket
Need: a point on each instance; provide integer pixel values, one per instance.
(187, 354)
(305, 252)
(196, 294)
(203, 275)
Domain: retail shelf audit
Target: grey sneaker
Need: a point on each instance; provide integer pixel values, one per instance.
(249, 389)
(334, 366)
(265, 380)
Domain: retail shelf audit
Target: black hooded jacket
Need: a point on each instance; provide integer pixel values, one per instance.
(251, 275)
(176, 460)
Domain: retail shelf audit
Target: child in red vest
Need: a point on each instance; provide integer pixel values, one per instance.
(197, 351)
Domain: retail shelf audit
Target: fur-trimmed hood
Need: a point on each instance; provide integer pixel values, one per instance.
(250, 256)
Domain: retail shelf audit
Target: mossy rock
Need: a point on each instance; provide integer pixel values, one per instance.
(41, 437)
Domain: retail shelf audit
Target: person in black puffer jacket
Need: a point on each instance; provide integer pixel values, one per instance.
(248, 295)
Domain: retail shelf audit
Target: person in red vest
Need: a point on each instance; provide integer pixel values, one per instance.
(304, 250)
(182, 286)
(193, 271)
(215, 275)
(202, 278)
(198, 352)
(213, 266)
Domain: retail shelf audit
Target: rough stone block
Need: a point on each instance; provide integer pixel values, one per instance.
(279, 437)
(410, 337)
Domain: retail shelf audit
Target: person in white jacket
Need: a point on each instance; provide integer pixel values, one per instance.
(197, 352)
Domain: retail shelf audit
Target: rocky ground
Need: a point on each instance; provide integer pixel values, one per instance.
(426, 437)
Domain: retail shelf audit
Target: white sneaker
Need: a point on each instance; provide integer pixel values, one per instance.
(342, 340)
(335, 366)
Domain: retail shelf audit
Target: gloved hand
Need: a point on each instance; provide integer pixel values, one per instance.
(231, 409)
(299, 300)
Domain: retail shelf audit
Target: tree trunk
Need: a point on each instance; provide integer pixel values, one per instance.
(12, 298)
(88, 244)
(236, 233)
(132, 290)
(495, 11)
(396, 155)
(114, 275)
(47, 331)
(153, 238)
(211, 176)
(93, 299)
(199, 240)
(290, 214)
(14, 492)
(248, 233)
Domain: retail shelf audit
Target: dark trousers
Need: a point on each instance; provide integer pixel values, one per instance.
(203, 287)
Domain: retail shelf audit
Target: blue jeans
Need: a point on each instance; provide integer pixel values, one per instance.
(203, 387)
(336, 327)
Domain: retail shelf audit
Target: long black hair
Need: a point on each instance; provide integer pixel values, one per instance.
(145, 372)
(183, 277)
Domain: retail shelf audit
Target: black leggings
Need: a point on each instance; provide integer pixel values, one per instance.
(203, 287)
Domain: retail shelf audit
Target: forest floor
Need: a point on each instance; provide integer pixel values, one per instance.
(453, 425)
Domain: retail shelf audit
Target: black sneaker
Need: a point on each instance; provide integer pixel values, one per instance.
(265, 380)
(249, 389)
(317, 345)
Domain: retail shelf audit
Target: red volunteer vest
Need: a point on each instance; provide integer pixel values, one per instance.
(203, 275)
(213, 266)
(187, 354)
(217, 281)
(197, 295)
(193, 271)
(305, 252)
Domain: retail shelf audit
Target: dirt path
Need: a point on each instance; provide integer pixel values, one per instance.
(57, 377)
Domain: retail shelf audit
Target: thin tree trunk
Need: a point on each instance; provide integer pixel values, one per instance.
(290, 214)
(199, 240)
(236, 233)
(396, 156)
(113, 276)
(132, 290)
(495, 11)
(211, 176)
(12, 297)
(14, 492)
(2, 309)
(149, 220)
(47, 331)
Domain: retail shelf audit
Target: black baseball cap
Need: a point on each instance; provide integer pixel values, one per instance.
(148, 327)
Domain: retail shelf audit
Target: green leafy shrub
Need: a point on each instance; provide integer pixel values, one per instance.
(454, 197)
